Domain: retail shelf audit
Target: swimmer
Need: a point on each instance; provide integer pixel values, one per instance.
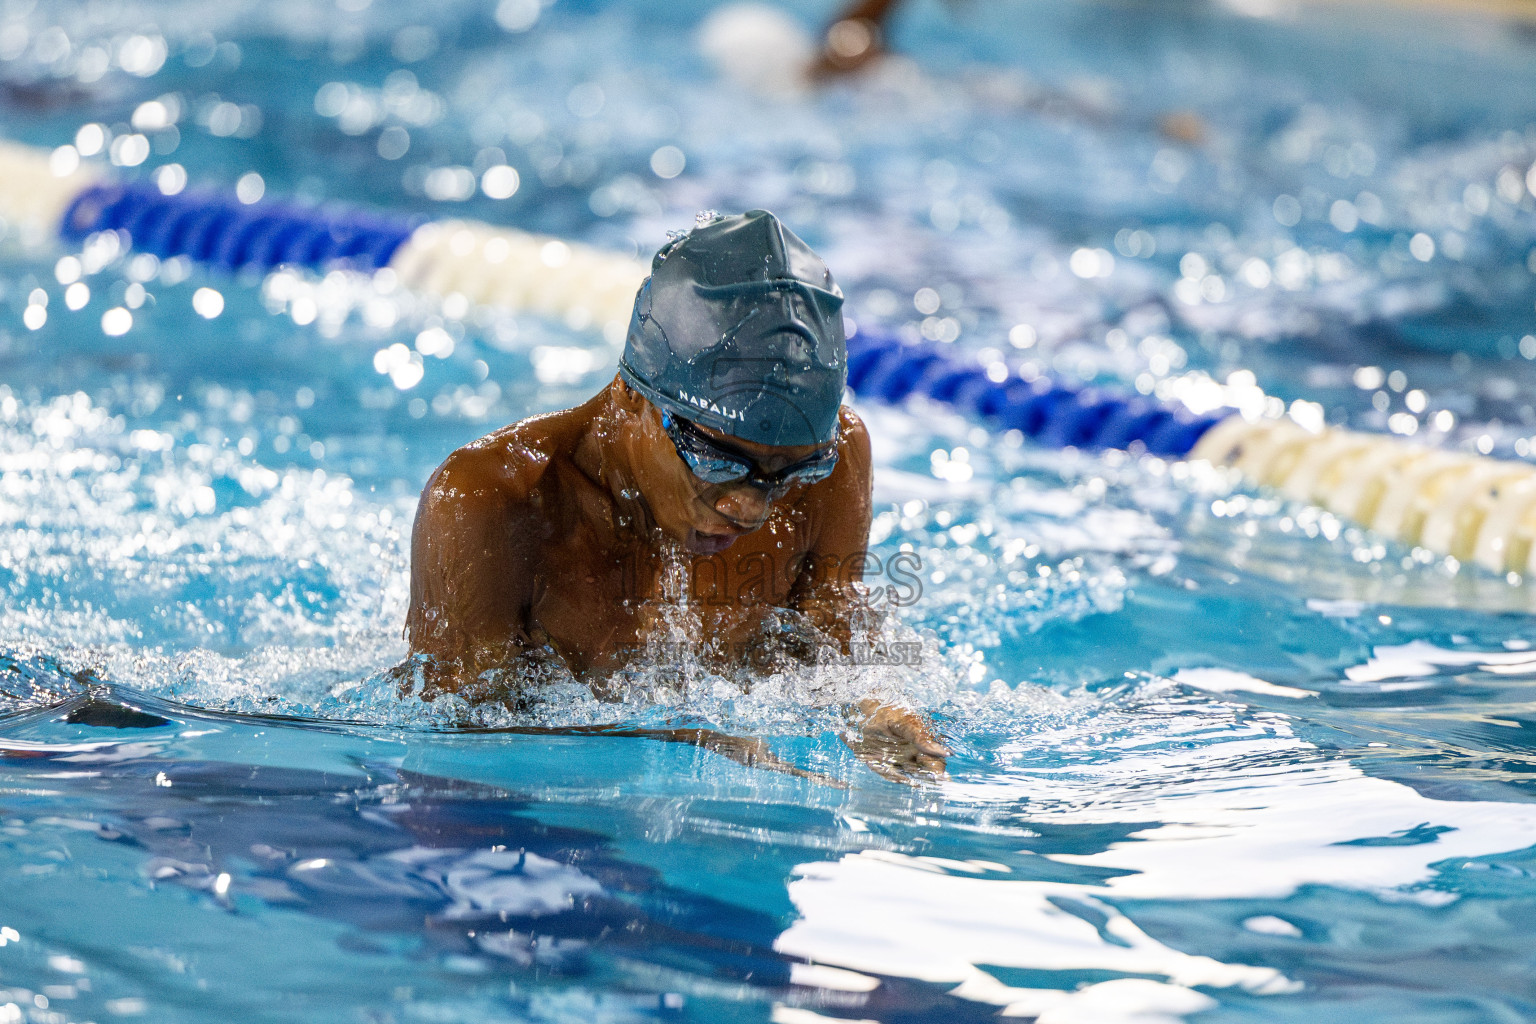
(770, 53)
(722, 445)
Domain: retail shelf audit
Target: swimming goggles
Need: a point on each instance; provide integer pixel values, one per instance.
(713, 463)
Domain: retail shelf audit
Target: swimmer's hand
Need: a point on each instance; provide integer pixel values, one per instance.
(897, 742)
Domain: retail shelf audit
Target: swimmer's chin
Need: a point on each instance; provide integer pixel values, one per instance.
(708, 543)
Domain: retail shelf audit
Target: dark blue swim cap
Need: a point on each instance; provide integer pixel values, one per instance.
(740, 328)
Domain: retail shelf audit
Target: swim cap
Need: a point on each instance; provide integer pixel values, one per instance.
(740, 328)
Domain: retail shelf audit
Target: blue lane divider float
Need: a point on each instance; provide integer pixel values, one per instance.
(1049, 411)
(225, 233)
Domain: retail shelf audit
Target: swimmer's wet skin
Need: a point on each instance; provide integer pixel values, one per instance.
(723, 436)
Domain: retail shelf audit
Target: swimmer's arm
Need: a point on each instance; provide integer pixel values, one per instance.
(893, 740)
(472, 574)
(838, 513)
(753, 753)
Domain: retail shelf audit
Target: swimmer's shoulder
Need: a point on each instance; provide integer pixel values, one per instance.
(853, 436)
(510, 464)
(847, 491)
(853, 452)
(832, 516)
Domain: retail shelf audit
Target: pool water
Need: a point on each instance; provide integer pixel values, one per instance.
(1217, 756)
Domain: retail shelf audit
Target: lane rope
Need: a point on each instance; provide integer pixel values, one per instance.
(1470, 507)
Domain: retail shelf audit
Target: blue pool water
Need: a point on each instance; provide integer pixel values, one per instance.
(1217, 756)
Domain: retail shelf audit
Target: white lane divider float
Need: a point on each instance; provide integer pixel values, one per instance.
(1471, 507)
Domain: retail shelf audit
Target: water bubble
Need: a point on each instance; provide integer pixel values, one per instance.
(52, 46)
(129, 150)
(116, 322)
(394, 142)
(1088, 263)
(303, 310)
(500, 181)
(449, 184)
(1256, 272)
(668, 162)
(175, 270)
(153, 115)
(1510, 186)
(208, 303)
(435, 341)
(517, 15)
(331, 99)
(1342, 215)
(64, 161)
(944, 214)
(554, 254)
(1021, 336)
(91, 139)
(1476, 198)
(250, 188)
(13, 40)
(1137, 243)
(1287, 210)
(1369, 378)
(171, 179)
(223, 119)
(141, 55)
